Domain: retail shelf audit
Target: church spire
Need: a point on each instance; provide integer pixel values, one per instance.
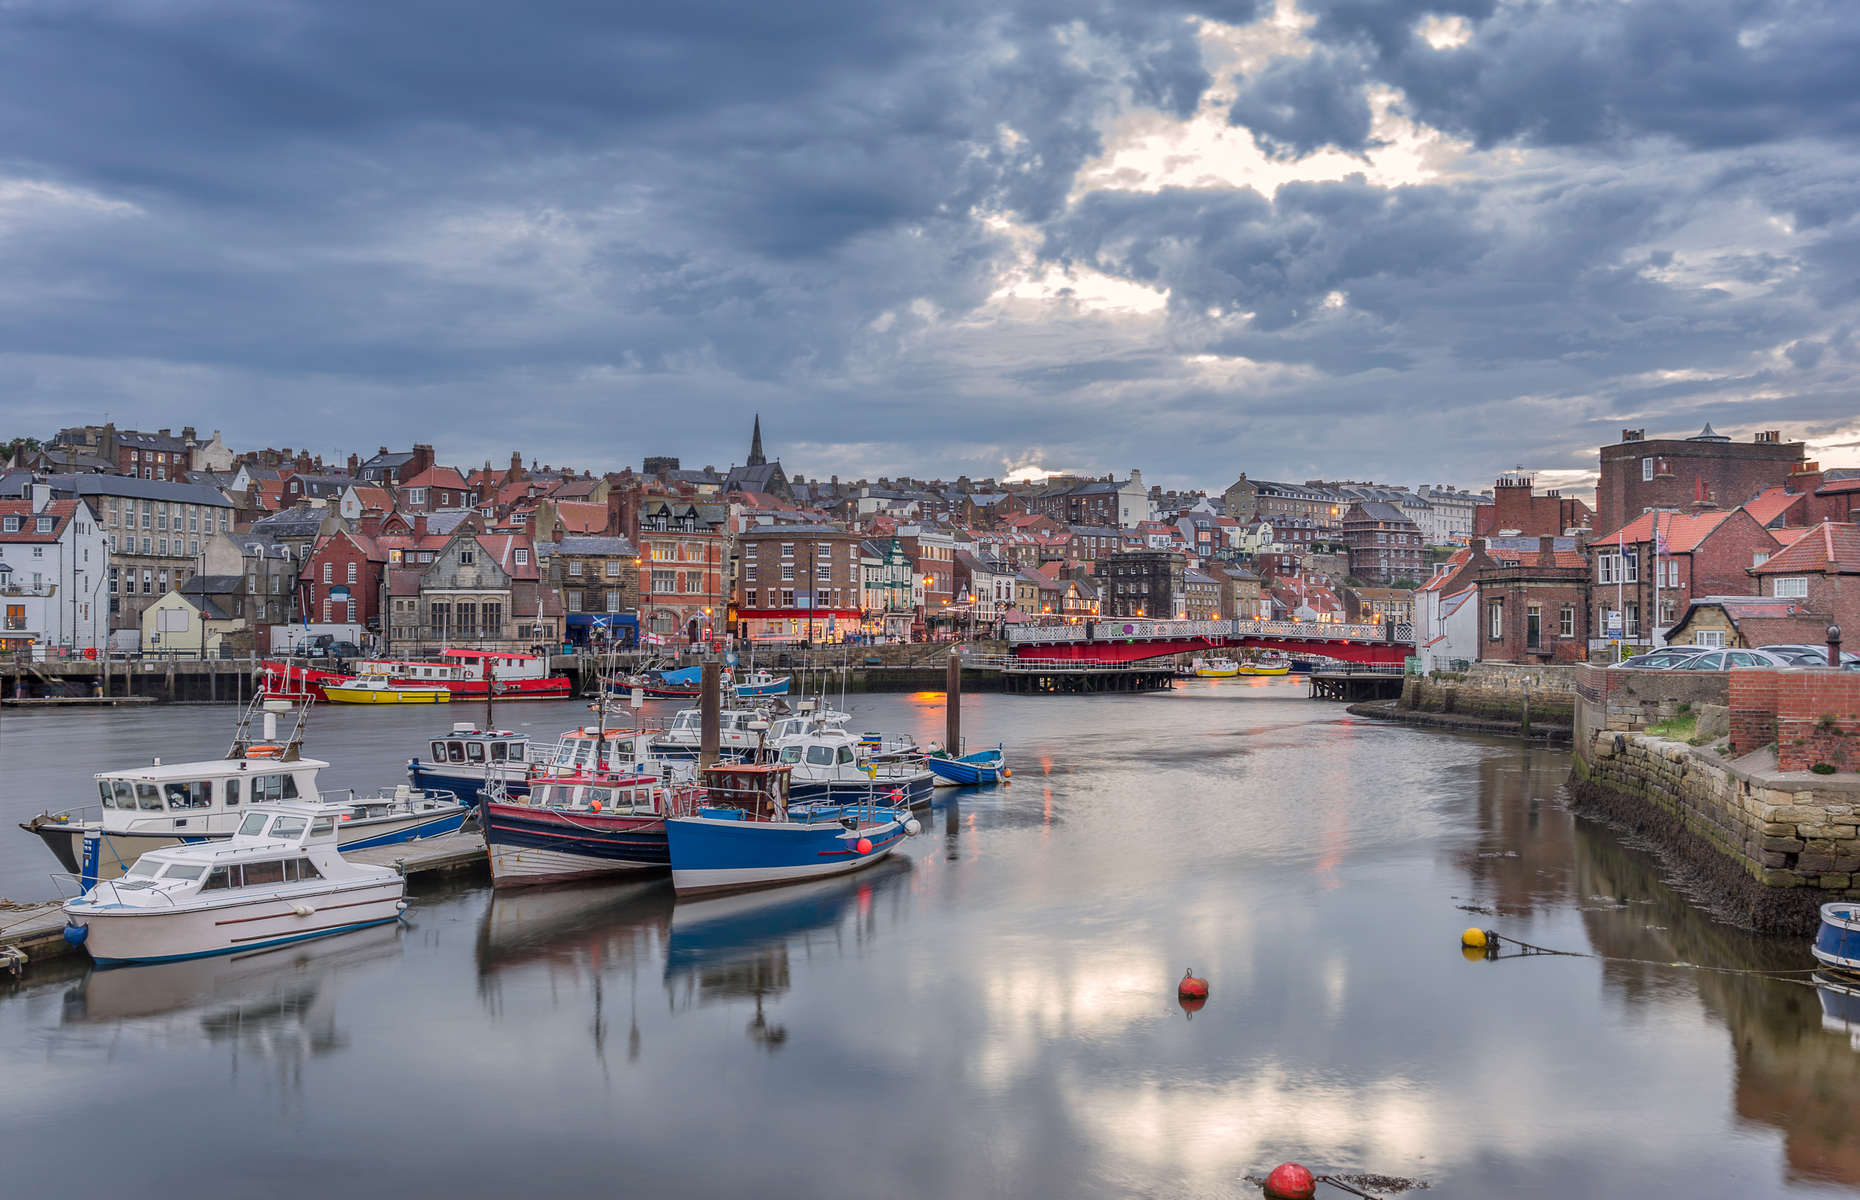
(756, 457)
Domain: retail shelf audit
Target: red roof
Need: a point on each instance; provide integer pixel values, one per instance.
(1838, 486)
(59, 510)
(1772, 502)
(577, 517)
(1684, 531)
(1829, 545)
(436, 477)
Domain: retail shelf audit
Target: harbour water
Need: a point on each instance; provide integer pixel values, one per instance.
(992, 1014)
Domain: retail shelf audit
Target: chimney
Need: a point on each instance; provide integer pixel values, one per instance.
(419, 525)
(1702, 499)
(1546, 552)
(41, 496)
(355, 465)
(555, 534)
(165, 433)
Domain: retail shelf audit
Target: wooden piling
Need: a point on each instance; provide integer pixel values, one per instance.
(710, 701)
(952, 705)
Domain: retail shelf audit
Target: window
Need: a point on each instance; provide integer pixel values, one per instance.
(613, 567)
(1632, 619)
(1646, 470)
(749, 572)
(787, 572)
(1759, 558)
(1495, 620)
(664, 581)
(787, 549)
(574, 567)
(161, 545)
(416, 495)
(1709, 637)
(329, 572)
(522, 557)
(613, 600)
(467, 558)
(147, 546)
(1793, 586)
(573, 598)
(351, 572)
(44, 525)
(787, 598)
(1566, 621)
(749, 598)
(1534, 627)
(11, 525)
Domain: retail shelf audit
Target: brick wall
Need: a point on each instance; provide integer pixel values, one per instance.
(1753, 709)
(1811, 713)
(1733, 470)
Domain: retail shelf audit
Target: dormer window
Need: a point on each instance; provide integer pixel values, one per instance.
(522, 557)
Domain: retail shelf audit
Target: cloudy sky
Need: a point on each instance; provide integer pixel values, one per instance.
(1409, 240)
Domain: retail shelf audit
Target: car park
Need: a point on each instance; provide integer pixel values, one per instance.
(1724, 660)
(1663, 659)
(1807, 654)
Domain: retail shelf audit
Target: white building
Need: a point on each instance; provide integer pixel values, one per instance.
(1450, 514)
(54, 562)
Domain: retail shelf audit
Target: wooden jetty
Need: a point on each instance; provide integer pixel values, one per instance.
(37, 930)
(1354, 687)
(1051, 677)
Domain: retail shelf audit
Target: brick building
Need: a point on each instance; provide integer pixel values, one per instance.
(1638, 475)
(595, 578)
(1534, 607)
(1384, 544)
(1099, 502)
(1709, 553)
(681, 587)
(1820, 574)
(793, 580)
(1145, 583)
(1516, 511)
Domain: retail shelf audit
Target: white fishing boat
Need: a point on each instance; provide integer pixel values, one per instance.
(166, 804)
(278, 879)
(830, 763)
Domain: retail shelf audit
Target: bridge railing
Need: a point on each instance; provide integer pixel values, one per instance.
(1118, 630)
(1011, 662)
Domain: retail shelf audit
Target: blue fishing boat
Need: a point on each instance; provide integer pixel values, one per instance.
(984, 766)
(1837, 944)
(745, 833)
(688, 684)
(761, 683)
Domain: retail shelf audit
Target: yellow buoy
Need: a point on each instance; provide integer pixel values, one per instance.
(1474, 938)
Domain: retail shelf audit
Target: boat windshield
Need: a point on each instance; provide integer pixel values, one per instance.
(791, 754)
(253, 825)
(288, 828)
(688, 719)
(183, 871)
(145, 868)
(190, 795)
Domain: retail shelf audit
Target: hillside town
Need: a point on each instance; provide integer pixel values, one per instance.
(130, 541)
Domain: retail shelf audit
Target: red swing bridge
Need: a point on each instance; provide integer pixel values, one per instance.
(1105, 641)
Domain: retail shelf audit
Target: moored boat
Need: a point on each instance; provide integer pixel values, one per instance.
(1837, 942)
(476, 674)
(1215, 668)
(166, 804)
(278, 879)
(1266, 664)
(830, 763)
(578, 827)
(745, 834)
(376, 689)
(984, 766)
(470, 758)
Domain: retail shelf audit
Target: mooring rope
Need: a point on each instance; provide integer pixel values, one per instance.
(1781, 976)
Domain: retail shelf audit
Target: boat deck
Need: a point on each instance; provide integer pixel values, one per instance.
(37, 929)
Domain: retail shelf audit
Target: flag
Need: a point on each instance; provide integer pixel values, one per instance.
(1659, 540)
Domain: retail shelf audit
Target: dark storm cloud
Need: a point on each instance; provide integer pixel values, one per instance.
(616, 217)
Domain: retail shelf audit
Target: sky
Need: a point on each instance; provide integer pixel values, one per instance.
(1413, 242)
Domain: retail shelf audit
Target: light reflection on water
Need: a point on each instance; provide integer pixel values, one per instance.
(994, 1013)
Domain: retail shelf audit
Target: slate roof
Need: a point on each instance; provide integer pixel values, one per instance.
(172, 491)
(585, 545)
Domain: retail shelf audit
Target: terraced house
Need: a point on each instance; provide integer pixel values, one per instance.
(156, 533)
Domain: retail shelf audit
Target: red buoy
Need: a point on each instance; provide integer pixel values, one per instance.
(863, 845)
(1192, 988)
(1289, 1181)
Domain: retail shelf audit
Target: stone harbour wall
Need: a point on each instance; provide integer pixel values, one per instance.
(1495, 692)
(1762, 847)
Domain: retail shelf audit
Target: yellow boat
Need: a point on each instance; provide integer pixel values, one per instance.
(1216, 668)
(1279, 666)
(375, 689)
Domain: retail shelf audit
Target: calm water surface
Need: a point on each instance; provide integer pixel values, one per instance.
(993, 1014)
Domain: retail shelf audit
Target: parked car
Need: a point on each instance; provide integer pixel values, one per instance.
(1807, 654)
(1724, 660)
(1663, 659)
(326, 646)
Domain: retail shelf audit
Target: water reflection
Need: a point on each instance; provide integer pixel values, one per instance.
(275, 1008)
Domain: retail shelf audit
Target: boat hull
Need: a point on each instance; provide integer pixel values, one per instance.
(1285, 670)
(120, 848)
(1837, 942)
(539, 845)
(967, 770)
(120, 934)
(711, 855)
(342, 695)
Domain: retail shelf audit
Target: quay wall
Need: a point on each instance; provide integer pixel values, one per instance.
(1492, 694)
(1759, 841)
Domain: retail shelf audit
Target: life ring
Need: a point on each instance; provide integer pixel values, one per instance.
(261, 752)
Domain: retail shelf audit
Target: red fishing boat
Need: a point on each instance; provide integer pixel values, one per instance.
(466, 674)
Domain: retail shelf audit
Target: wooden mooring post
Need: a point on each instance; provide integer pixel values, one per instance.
(952, 705)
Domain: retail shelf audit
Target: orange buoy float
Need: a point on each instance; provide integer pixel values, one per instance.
(596, 806)
(863, 845)
(1289, 1181)
(1192, 988)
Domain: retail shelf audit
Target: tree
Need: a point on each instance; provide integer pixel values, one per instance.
(1404, 585)
(1353, 581)
(29, 444)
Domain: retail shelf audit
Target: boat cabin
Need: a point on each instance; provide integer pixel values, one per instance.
(200, 798)
(592, 751)
(459, 664)
(746, 792)
(273, 846)
(473, 746)
(623, 795)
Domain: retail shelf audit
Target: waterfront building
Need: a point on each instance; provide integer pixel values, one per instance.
(892, 595)
(682, 561)
(1707, 553)
(203, 617)
(798, 583)
(1533, 601)
(155, 530)
(1376, 606)
(1201, 597)
(478, 591)
(1144, 583)
(595, 578)
(270, 570)
(54, 561)
(1818, 575)
(1384, 545)
(1638, 475)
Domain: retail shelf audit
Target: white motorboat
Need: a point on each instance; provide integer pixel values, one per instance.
(831, 763)
(166, 804)
(278, 879)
